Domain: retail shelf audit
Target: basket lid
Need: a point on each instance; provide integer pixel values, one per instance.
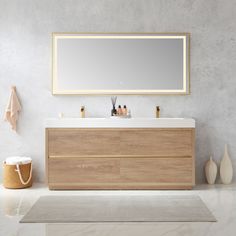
(17, 160)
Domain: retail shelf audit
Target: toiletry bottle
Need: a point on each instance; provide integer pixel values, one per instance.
(82, 112)
(157, 112)
(119, 110)
(124, 111)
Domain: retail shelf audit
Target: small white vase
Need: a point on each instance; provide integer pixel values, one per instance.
(210, 171)
(226, 168)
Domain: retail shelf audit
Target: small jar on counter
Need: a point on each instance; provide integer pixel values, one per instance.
(124, 110)
(119, 111)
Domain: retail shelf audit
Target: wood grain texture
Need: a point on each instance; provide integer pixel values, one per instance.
(163, 142)
(120, 158)
(156, 170)
(84, 170)
(120, 170)
(83, 142)
(159, 142)
(118, 186)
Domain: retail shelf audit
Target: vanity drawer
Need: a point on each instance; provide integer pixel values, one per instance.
(157, 142)
(120, 158)
(83, 170)
(141, 142)
(77, 142)
(120, 173)
(165, 170)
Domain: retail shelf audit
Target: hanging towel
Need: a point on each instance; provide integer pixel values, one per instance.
(13, 108)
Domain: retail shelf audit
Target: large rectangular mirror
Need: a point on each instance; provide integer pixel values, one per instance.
(149, 63)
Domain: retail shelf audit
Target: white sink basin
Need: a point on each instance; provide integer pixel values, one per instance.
(120, 123)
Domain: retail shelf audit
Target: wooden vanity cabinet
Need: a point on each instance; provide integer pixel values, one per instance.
(120, 158)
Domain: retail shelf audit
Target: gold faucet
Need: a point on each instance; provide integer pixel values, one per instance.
(157, 112)
(82, 112)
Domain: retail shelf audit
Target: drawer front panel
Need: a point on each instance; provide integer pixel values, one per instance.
(160, 170)
(77, 142)
(113, 142)
(121, 158)
(129, 171)
(83, 170)
(161, 142)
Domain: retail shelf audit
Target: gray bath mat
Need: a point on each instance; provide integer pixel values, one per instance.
(75, 209)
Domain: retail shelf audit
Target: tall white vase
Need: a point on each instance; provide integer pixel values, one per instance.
(226, 168)
(211, 171)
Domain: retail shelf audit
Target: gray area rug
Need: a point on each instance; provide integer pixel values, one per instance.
(75, 209)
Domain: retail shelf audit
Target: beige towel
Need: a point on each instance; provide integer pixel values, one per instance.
(13, 108)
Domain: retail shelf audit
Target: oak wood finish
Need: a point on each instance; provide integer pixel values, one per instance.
(161, 142)
(83, 142)
(119, 186)
(105, 158)
(120, 170)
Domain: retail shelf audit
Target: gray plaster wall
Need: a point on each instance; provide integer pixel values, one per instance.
(25, 47)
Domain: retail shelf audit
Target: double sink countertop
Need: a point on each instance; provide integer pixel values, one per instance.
(117, 122)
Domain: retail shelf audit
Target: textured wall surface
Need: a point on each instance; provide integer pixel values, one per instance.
(25, 44)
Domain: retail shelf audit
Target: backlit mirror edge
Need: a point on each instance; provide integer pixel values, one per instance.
(56, 91)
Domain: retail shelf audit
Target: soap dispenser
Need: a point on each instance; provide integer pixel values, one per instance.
(124, 111)
(119, 110)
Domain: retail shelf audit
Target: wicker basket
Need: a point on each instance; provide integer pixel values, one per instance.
(17, 176)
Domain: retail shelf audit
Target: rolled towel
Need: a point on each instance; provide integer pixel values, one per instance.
(13, 108)
(17, 160)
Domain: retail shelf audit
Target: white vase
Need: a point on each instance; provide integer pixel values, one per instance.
(226, 168)
(211, 171)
